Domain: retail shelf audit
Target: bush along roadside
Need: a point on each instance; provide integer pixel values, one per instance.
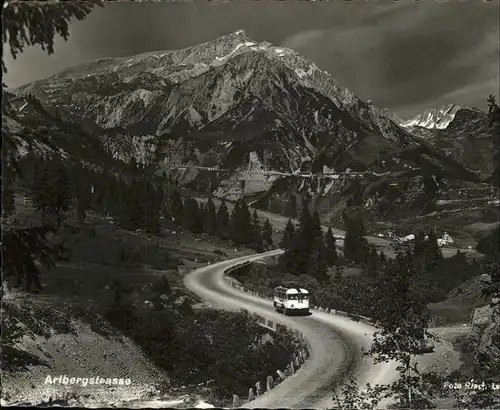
(356, 317)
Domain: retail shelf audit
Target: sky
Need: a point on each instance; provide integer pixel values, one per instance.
(405, 55)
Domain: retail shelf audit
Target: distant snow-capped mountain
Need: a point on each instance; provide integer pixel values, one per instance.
(434, 118)
(462, 132)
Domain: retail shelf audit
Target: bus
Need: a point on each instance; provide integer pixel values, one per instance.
(291, 300)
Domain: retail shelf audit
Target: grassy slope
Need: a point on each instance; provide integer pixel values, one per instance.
(461, 302)
(100, 253)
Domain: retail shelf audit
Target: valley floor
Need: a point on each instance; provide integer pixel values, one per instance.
(382, 244)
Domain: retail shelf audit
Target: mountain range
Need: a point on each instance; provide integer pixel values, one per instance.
(238, 104)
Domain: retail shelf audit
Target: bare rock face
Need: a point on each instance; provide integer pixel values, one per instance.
(488, 349)
(481, 317)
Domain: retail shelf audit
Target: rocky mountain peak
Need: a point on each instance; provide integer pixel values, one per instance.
(434, 118)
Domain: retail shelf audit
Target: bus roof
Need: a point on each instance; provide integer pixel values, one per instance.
(291, 290)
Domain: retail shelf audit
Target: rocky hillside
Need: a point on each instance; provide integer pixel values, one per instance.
(41, 339)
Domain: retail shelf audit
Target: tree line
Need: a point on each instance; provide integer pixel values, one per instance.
(308, 250)
(135, 200)
(241, 226)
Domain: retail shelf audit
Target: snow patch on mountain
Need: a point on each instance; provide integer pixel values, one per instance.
(245, 44)
(438, 118)
(310, 71)
(280, 52)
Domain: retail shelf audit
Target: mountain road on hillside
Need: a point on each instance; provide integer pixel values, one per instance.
(335, 342)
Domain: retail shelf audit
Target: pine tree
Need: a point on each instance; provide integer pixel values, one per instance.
(241, 224)
(223, 230)
(316, 229)
(264, 203)
(383, 258)
(39, 194)
(154, 198)
(267, 234)
(245, 222)
(176, 205)
(22, 22)
(162, 203)
(133, 212)
(317, 266)
(419, 251)
(291, 208)
(20, 247)
(235, 224)
(119, 200)
(257, 235)
(433, 255)
(28, 24)
(51, 189)
(394, 285)
(81, 191)
(356, 191)
(403, 320)
(355, 243)
(190, 218)
(210, 217)
(372, 262)
(106, 187)
(298, 256)
(287, 240)
(331, 248)
(199, 219)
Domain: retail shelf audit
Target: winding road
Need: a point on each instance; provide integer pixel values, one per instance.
(335, 342)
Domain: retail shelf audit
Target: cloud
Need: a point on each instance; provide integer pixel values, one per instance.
(304, 39)
(411, 56)
(403, 55)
